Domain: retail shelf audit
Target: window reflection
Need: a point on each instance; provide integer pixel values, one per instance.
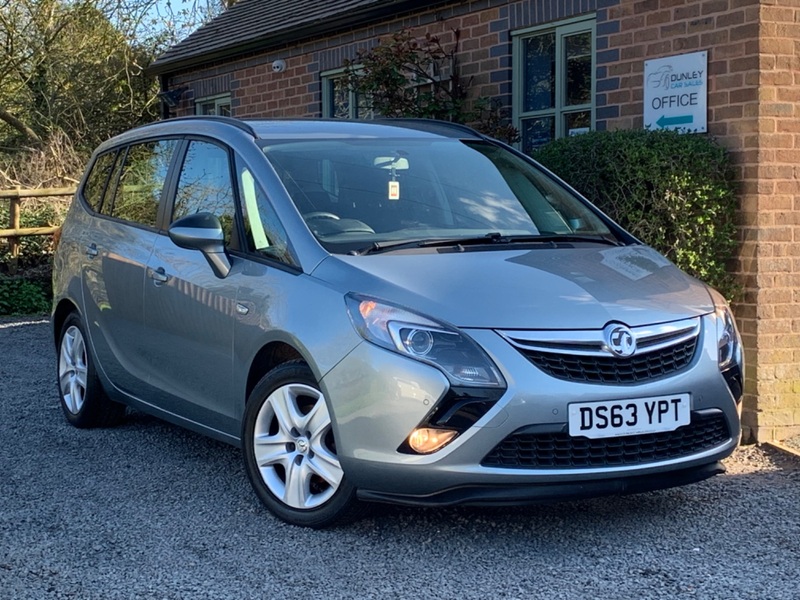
(540, 72)
(578, 50)
(537, 132)
(141, 182)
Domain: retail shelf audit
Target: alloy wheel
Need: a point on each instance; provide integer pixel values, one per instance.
(294, 448)
(73, 369)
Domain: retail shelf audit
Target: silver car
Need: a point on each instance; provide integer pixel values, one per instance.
(387, 311)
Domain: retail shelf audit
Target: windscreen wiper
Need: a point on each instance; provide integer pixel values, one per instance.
(564, 237)
(378, 247)
(490, 238)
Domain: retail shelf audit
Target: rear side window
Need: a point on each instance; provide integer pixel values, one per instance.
(141, 181)
(95, 184)
(205, 185)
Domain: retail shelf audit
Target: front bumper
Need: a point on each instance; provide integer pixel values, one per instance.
(520, 494)
(378, 397)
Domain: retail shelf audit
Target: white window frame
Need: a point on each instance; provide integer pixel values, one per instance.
(218, 100)
(562, 29)
(327, 78)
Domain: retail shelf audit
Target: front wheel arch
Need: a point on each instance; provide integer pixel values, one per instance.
(266, 359)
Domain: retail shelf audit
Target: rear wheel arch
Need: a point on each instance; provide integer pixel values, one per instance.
(82, 397)
(64, 309)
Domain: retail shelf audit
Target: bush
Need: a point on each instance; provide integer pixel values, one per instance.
(673, 191)
(20, 296)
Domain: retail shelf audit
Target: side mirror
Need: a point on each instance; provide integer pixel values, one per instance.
(203, 231)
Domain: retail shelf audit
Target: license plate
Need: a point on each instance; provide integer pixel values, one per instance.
(629, 417)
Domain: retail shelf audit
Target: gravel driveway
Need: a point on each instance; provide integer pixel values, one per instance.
(147, 510)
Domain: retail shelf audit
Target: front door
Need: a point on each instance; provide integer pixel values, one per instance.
(189, 312)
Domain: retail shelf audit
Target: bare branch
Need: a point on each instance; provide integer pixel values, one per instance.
(20, 126)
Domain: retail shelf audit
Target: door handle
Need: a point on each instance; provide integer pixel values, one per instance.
(91, 250)
(159, 275)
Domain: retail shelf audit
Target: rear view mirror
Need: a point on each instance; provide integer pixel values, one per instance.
(203, 231)
(391, 162)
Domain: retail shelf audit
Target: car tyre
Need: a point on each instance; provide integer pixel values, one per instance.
(83, 400)
(290, 452)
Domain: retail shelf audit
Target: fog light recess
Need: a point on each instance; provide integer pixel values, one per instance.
(425, 440)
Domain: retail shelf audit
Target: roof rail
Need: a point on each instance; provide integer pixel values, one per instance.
(431, 125)
(228, 120)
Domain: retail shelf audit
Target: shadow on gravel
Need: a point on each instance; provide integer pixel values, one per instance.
(751, 470)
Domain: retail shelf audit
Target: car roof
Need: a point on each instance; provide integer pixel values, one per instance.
(389, 128)
(272, 129)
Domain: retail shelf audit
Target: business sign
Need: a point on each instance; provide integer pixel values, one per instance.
(676, 93)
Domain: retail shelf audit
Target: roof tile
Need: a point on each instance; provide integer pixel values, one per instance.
(258, 23)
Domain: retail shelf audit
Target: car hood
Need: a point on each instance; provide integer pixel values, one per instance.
(542, 288)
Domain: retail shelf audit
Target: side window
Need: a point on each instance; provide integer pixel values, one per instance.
(95, 184)
(141, 182)
(265, 234)
(205, 185)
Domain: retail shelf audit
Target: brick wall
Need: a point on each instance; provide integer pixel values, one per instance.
(754, 87)
(635, 30)
(773, 195)
(485, 57)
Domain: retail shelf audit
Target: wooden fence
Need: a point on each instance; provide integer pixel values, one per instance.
(15, 198)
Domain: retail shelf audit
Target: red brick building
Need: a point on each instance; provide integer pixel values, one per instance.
(282, 58)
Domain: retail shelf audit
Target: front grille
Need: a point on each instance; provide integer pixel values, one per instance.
(612, 370)
(562, 451)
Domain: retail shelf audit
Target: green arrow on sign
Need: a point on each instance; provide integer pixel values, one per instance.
(667, 121)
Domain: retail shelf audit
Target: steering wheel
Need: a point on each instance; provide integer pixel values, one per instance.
(320, 215)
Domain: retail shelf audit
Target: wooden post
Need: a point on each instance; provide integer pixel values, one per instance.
(13, 222)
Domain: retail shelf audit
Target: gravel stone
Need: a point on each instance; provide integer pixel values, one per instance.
(793, 443)
(147, 510)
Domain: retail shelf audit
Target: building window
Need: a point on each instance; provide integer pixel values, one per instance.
(341, 102)
(214, 105)
(554, 81)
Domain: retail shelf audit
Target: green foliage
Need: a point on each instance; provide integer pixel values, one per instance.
(403, 77)
(406, 77)
(20, 296)
(73, 74)
(26, 289)
(673, 191)
(70, 70)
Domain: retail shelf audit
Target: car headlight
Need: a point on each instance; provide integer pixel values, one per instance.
(727, 338)
(729, 343)
(423, 339)
(730, 354)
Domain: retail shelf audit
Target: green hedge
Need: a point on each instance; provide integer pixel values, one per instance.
(20, 296)
(673, 191)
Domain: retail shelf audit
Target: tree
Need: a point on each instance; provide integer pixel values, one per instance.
(72, 71)
(406, 77)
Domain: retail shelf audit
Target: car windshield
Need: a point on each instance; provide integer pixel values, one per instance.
(371, 193)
